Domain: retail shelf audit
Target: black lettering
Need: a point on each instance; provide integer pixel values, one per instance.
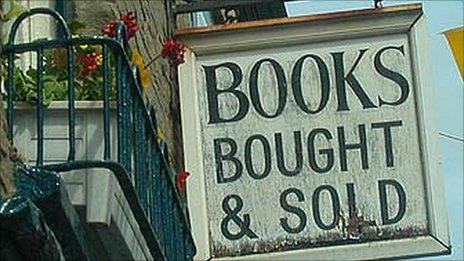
(294, 210)
(362, 146)
(335, 207)
(249, 156)
(232, 216)
(392, 75)
(219, 158)
(281, 158)
(329, 153)
(387, 136)
(281, 85)
(340, 79)
(386, 219)
(296, 83)
(213, 92)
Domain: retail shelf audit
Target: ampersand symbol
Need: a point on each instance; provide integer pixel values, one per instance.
(244, 224)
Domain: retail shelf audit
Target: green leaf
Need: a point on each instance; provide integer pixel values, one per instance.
(31, 96)
(46, 101)
(50, 77)
(56, 90)
(48, 92)
(76, 25)
(61, 91)
(30, 76)
(31, 72)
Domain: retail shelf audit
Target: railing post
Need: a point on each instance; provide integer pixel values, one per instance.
(119, 87)
(124, 121)
(176, 228)
(164, 211)
(156, 190)
(140, 170)
(106, 102)
(71, 104)
(11, 94)
(40, 113)
(124, 151)
(150, 187)
(182, 235)
(128, 121)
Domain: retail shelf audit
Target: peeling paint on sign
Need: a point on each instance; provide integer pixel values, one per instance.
(310, 144)
(297, 136)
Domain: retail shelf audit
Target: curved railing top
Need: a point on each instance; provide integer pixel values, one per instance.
(36, 11)
(119, 45)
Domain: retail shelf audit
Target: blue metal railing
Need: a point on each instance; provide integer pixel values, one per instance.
(157, 207)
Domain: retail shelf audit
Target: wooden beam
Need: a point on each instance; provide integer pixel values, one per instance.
(298, 19)
(214, 4)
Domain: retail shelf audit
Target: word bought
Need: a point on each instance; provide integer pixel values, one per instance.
(251, 157)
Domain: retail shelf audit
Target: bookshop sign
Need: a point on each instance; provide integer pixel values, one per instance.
(312, 138)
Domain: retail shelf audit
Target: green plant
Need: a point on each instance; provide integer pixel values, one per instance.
(88, 80)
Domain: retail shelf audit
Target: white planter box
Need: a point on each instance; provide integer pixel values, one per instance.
(95, 189)
(89, 140)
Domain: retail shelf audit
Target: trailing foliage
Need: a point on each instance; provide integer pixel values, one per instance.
(88, 79)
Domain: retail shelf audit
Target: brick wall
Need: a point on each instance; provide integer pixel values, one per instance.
(151, 15)
(6, 166)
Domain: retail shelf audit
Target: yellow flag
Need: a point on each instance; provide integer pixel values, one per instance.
(456, 41)
(143, 70)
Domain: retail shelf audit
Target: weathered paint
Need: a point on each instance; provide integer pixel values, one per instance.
(261, 196)
(243, 112)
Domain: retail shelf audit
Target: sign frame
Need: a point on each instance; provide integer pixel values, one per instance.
(408, 19)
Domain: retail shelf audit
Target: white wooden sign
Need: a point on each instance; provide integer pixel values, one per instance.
(312, 138)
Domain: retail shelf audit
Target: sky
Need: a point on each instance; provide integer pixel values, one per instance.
(448, 87)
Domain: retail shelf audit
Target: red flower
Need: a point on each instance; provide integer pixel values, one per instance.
(129, 20)
(181, 180)
(89, 63)
(109, 29)
(174, 51)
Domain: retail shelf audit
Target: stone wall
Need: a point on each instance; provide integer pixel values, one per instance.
(6, 165)
(151, 16)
